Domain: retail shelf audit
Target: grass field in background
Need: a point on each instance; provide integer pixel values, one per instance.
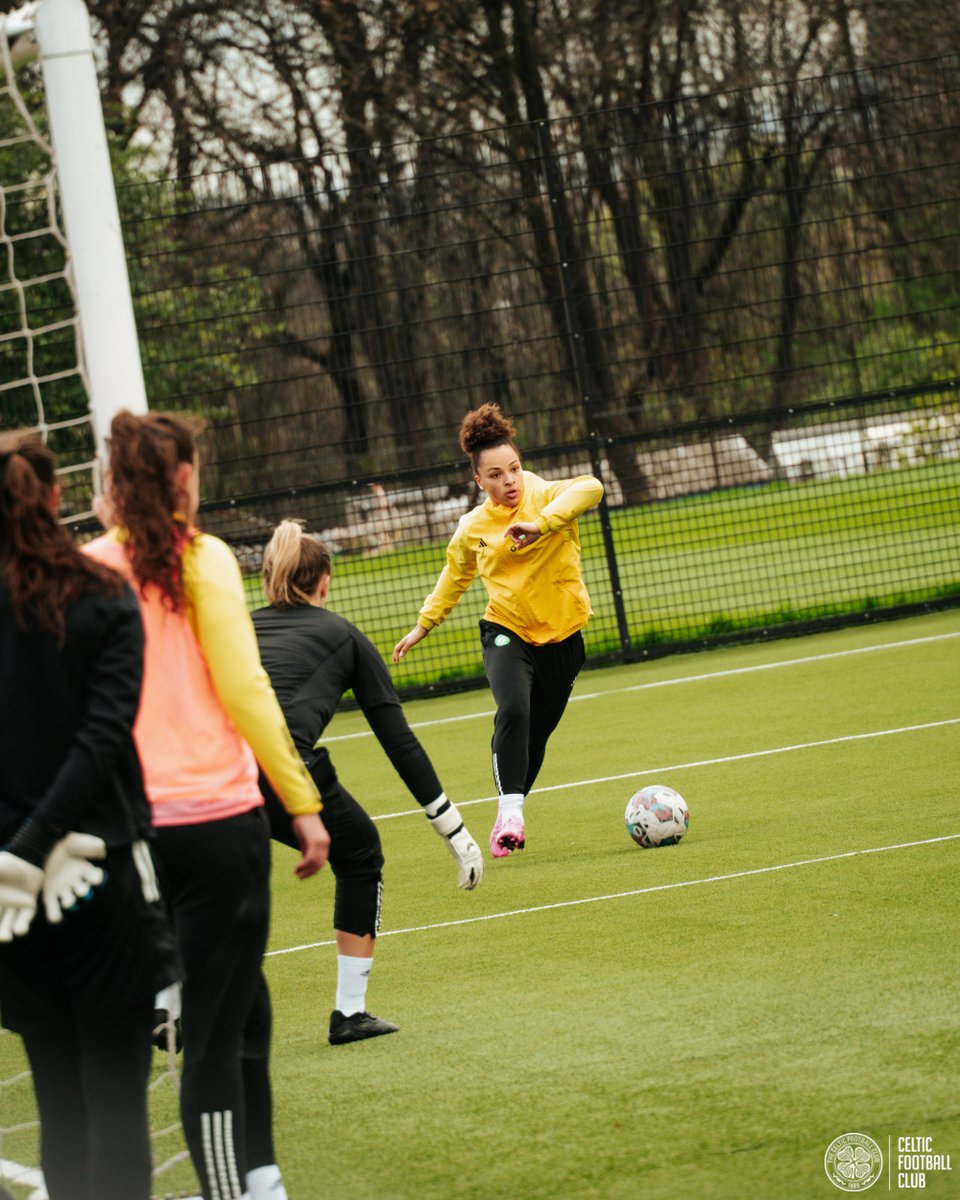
(700, 566)
(600, 1022)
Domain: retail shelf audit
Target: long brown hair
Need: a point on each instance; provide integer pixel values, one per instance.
(294, 562)
(485, 428)
(145, 453)
(43, 571)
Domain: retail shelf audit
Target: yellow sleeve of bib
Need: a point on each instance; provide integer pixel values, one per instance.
(458, 573)
(568, 499)
(217, 610)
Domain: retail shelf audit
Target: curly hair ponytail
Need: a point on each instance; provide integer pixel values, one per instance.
(485, 428)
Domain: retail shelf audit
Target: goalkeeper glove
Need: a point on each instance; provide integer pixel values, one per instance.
(445, 819)
(20, 884)
(69, 876)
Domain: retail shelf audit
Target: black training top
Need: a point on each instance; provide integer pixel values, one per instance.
(313, 657)
(67, 755)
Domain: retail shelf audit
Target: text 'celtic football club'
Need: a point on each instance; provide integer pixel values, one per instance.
(916, 1159)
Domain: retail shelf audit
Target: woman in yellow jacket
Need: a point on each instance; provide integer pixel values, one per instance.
(524, 543)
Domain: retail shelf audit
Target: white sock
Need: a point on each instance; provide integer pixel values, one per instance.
(511, 805)
(264, 1183)
(169, 1000)
(352, 976)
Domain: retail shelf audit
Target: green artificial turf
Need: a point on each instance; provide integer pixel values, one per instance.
(597, 1021)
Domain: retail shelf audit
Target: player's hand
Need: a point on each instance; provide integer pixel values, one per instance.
(20, 884)
(416, 634)
(445, 818)
(314, 844)
(468, 858)
(522, 534)
(69, 875)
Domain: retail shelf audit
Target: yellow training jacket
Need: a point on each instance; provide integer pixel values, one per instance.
(536, 591)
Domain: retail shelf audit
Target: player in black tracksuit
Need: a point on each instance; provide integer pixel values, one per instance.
(77, 986)
(313, 657)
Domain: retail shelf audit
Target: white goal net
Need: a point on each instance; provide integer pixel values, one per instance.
(43, 383)
(69, 354)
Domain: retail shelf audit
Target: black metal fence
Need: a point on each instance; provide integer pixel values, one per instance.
(739, 310)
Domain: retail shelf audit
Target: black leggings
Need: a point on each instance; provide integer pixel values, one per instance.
(216, 879)
(531, 686)
(256, 1080)
(80, 995)
(356, 856)
(90, 1076)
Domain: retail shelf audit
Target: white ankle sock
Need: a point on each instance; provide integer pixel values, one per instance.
(265, 1183)
(352, 976)
(511, 805)
(169, 1000)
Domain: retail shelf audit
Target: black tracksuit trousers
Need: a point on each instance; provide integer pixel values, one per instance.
(531, 686)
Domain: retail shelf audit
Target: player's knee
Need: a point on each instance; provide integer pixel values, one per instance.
(359, 859)
(513, 712)
(357, 905)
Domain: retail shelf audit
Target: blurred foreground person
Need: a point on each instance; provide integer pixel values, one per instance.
(84, 940)
(207, 718)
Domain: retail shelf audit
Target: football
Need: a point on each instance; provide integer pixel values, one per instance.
(656, 816)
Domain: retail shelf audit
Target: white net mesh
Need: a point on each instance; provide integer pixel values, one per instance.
(42, 378)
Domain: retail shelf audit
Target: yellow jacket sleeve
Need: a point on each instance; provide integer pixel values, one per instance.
(568, 499)
(458, 573)
(217, 611)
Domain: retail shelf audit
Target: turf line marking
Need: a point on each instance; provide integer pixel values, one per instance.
(659, 683)
(645, 891)
(703, 762)
(14, 1172)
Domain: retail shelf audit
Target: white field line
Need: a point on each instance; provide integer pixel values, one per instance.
(659, 683)
(703, 762)
(31, 1177)
(660, 887)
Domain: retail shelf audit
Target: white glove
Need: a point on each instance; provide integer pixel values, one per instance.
(143, 861)
(467, 853)
(446, 820)
(69, 876)
(20, 884)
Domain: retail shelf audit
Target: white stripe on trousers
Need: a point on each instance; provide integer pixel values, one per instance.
(219, 1155)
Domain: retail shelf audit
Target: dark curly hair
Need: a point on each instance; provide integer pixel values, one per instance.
(42, 569)
(485, 428)
(145, 452)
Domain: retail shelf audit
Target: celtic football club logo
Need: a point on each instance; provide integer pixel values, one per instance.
(853, 1162)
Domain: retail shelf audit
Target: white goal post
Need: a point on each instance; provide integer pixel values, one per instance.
(96, 259)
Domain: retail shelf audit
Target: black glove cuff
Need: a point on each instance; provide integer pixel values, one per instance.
(33, 841)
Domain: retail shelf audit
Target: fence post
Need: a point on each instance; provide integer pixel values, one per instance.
(582, 369)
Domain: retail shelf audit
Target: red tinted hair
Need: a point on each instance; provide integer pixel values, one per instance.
(43, 570)
(145, 454)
